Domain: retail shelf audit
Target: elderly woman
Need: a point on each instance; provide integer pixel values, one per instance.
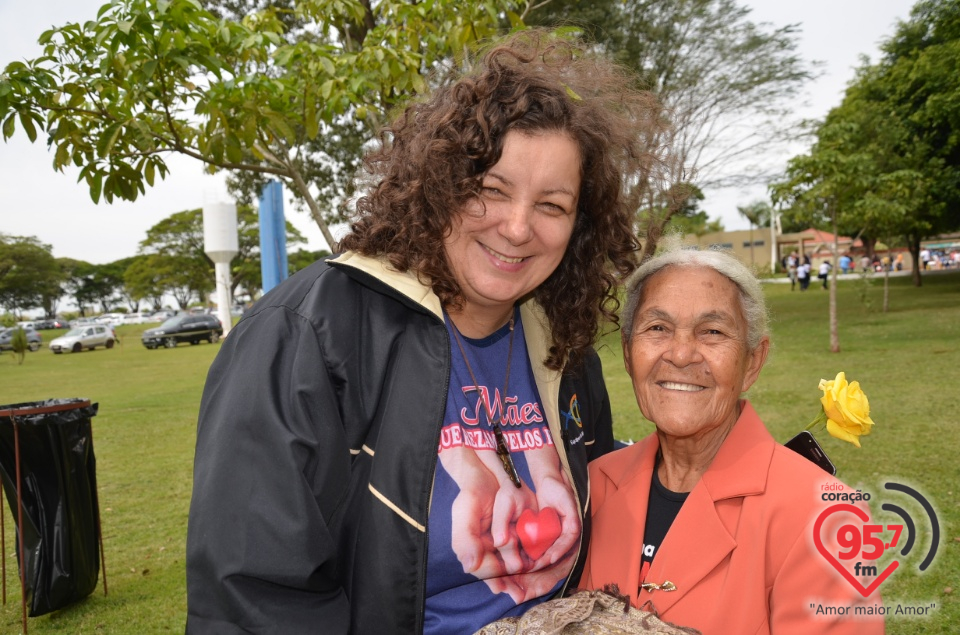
(709, 519)
(396, 440)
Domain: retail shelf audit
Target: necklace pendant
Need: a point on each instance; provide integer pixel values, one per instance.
(504, 453)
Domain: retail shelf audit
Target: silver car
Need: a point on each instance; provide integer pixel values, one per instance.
(89, 337)
(6, 338)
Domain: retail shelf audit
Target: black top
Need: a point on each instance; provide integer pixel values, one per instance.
(662, 509)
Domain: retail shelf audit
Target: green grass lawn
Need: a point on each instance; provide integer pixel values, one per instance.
(907, 361)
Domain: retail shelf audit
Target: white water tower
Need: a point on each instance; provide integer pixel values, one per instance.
(221, 244)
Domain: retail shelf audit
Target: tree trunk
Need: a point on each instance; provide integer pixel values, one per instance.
(914, 244)
(886, 285)
(834, 330)
(314, 208)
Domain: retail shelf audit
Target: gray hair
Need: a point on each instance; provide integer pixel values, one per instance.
(751, 295)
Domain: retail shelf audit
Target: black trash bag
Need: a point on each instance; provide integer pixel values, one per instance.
(61, 525)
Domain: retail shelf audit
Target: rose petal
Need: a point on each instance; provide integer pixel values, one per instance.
(836, 430)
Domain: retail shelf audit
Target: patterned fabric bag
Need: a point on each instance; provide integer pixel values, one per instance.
(600, 612)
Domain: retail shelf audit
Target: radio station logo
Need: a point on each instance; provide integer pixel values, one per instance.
(845, 537)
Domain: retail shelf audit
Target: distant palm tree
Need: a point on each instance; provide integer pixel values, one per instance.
(757, 214)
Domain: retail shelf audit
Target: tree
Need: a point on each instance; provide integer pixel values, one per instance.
(758, 214)
(301, 259)
(728, 84)
(102, 284)
(179, 238)
(245, 268)
(150, 77)
(28, 272)
(820, 186)
(887, 160)
(691, 220)
(144, 279)
(18, 344)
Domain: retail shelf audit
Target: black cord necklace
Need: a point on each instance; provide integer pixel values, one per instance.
(502, 450)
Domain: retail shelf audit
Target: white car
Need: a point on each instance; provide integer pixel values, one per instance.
(161, 316)
(111, 319)
(84, 337)
(134, 318)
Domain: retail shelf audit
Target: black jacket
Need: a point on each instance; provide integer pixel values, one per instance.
(316, 450)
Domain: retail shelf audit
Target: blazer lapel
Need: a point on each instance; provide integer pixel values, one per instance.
(701, 536)
(696, 543)
(622, 517)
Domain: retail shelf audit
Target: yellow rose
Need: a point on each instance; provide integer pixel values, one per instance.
(846, 408)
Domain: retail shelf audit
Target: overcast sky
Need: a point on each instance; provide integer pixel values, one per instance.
(37, 201)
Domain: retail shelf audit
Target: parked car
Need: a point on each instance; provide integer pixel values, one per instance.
(134, 318)
(183, 328)
(34, 341)
(161, 316)
(50, 323)
(113, 319)
(84, 337)
(82, 321)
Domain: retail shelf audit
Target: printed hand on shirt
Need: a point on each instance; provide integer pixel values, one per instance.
(473, 513)
(528, 586)
(511, 501)
(553, 490)
(553, 493)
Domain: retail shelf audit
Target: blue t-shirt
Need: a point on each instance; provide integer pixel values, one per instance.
(495, 550)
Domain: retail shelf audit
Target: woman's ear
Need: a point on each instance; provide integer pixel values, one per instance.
(755, 362)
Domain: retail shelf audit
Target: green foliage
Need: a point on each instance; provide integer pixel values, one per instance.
(100, 284)
(19, 344)
(149, 77)
(71, 279)
(689, 219)
(172, 258)
(301, 259)
(28, 273)
(887, 160)
(757, 213)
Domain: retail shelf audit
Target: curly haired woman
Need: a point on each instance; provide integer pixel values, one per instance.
(395, 440)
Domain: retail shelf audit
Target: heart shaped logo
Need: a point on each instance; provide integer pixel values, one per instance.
(538, 530)
(834, 509)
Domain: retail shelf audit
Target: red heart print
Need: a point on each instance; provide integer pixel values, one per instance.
(833, 509)
(538, 530)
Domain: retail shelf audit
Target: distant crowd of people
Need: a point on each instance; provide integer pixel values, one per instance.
(937, 259)
(799, 267)
(799, 270)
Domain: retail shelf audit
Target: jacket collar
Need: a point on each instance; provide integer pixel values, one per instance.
(535, 326)
(743, 461)
(406, 283)
(739, 469)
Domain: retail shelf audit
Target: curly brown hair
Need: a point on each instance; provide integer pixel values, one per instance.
(433, 157)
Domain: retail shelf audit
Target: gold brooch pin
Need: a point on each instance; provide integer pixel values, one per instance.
(653, 586)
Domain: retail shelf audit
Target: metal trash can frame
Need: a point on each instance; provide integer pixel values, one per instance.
(54, 560)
